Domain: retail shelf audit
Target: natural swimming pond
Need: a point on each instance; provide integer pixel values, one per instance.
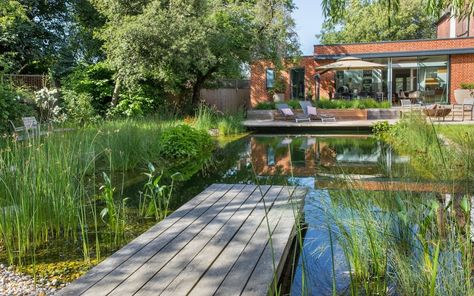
(362, 212)
(373, 224)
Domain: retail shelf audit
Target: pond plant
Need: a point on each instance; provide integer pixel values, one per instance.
(69, 187)
(403, 242)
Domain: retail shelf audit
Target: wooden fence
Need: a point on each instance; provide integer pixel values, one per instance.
(228, 96)
(33, 82)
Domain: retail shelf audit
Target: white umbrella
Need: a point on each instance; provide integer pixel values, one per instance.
(349, 63)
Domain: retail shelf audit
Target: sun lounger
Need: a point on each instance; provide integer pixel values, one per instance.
(311, 111)
(288, 114)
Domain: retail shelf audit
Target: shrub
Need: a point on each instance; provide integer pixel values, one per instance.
(231, 124)
(294, 104)
(357, 104)
(94, 80)
(381, 130)
(47, 103)
(79, 107)
(265, 106)
(133, 106)
(467, 85)
(185, 149)
(11, 106)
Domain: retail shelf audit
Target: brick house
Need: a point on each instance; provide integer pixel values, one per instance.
(432, 68)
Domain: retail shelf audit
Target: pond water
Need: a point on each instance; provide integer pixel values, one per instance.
(317, 162)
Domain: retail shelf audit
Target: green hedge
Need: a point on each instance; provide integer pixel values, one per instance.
(330, 104)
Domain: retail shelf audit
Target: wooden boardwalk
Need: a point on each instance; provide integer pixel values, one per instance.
(216, 244)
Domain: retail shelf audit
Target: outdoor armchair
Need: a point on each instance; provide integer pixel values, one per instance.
(467, 106)
(311, 111)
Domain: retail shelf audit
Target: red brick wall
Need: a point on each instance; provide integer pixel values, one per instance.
(380, 47)
(443, 28)
(461, 70)
(258, 89)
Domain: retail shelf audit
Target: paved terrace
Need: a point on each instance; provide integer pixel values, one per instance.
(216, 244)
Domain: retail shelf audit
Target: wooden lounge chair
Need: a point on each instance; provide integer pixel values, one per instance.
(288, 114)
(313, 113)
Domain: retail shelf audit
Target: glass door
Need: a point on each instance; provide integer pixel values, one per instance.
(297, 83)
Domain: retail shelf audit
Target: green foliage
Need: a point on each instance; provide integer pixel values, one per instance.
(265, 106)
(149, 39)
(47, 37)
(185, 149)
(294, 104)
(381, 130)
(11, 107)
(207, 118)
(352, 104)
(330, 104)
(94, 81)
(467, 85)
(278, 87)
(79, 107)
(231, 124)
(372, 21)
(155, 199)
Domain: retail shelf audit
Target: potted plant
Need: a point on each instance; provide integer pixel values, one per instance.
(278, 90)
(465, 92)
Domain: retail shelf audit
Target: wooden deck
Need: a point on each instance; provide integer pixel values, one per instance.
(216, 244)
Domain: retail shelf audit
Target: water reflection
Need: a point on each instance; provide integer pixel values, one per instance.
(302, 156)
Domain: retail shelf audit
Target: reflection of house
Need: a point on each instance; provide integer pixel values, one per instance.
(283, 159)
(428, 70)
(309, 156)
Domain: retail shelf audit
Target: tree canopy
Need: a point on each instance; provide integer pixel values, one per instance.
(47, 36)
(335, 9)
(371, 22)
(183, 43)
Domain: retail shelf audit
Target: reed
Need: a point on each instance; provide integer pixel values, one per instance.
(50, 185)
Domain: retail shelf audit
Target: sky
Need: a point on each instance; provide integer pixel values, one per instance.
(308, 16)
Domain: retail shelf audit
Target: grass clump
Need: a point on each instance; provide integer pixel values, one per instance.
(185, 149)
(207, 118)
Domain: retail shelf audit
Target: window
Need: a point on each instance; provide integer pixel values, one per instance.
(270, 77)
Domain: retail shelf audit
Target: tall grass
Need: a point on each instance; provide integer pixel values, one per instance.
(406, 243)
(207, 118)
(50, 186)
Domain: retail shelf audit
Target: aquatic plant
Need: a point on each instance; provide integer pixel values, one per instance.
(155, 198)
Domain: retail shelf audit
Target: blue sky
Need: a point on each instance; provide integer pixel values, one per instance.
(308, 16)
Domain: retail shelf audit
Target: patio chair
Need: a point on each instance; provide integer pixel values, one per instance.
(288, 114)
(408, 106)
(467, 106)
(311, 111)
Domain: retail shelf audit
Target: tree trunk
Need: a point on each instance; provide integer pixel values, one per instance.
(201, 78)
(116, 93)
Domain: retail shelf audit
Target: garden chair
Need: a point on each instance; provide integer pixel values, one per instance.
(408, 106)
(467, 106)
(288, 114)
(311, 111)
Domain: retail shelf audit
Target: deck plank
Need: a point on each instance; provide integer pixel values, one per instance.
(141, 281)
(98, 272)
(236, 279)
(122, 272)
(220, 253)
(244, 203)
(270, 265)
(231, 239)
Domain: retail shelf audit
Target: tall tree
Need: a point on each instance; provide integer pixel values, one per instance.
(42, 36)
(371, 22)
(335, 9)
(184, 43)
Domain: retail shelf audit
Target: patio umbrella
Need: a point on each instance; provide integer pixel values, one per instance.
(349, 63)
